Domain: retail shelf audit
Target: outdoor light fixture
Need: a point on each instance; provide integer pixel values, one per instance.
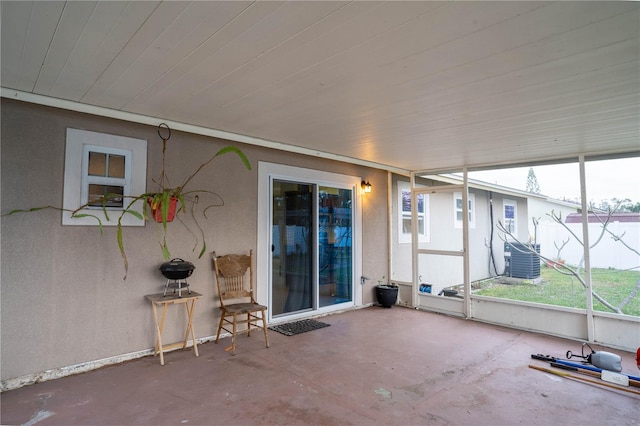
(366, 186)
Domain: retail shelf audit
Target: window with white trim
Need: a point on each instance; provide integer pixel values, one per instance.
(458, 211)
(404, 214)
(98, 164)
(510, 216)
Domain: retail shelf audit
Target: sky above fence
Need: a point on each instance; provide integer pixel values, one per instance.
(606, 180)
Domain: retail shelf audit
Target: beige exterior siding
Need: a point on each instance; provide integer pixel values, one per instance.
(63, 298)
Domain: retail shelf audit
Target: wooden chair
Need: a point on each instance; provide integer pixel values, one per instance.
(234, 278)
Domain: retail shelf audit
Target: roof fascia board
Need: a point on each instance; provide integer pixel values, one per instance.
(538, 161)
(513, 192)
(486, 186)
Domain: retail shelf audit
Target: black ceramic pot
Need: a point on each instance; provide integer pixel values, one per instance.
(387, 295)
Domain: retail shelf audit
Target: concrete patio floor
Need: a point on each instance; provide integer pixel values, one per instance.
(371, 366)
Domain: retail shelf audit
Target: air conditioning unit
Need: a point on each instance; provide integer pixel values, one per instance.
(520, 261)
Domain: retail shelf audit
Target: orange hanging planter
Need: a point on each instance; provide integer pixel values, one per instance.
(156, 211)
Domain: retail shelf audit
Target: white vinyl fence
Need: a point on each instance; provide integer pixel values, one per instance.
(607, 253)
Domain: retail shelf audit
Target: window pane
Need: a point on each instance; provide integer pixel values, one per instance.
(509, 212)
(97, 164)
(116, 166)
(421, 225)
(406, 201)
(406, 224)
(98, 192)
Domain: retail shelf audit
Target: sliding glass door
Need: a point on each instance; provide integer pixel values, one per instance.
(292, 247)
(335, 229)
(311, 247)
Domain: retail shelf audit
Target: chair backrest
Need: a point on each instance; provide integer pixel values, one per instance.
(234, 276)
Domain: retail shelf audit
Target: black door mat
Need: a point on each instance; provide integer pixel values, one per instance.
(297, 327)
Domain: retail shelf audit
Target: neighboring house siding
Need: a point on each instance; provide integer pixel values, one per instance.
(541, 209)
(443, 271)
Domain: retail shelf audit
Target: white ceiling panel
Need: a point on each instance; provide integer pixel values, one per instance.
(406, 85)
(26, 38)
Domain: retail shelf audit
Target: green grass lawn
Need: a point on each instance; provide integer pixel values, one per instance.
(563, 290)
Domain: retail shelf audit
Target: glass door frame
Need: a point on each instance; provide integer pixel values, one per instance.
(267, 173)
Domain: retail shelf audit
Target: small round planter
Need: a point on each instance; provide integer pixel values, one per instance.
(157, 212)
(387, 295)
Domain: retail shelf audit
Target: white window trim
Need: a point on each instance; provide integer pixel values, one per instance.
(73, 173)
(506, 203)
(404, 237)
(472, 210)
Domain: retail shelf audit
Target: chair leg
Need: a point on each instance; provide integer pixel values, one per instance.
(264, 328)
(233, 335)
(249, 324)
(220, 326)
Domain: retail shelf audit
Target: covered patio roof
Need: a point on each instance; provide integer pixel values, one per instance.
(402, 86)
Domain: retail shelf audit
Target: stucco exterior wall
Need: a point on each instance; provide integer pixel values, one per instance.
(63, 300)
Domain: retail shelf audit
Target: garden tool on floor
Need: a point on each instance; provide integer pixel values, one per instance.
(606, 375)
(604, 360)
(584, 379)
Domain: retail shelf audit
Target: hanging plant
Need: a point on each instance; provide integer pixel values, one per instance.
(163, 206)
(158, 207)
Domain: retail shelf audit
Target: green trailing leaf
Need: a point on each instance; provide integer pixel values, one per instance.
(204, 249)
(237, 151)
(33, 209)
(133, 213)
(122, 252)
(165, 250)
(222, 151)
(183, 203)
(164, 208)
(104, 208)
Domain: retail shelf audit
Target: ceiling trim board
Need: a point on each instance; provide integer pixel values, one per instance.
(184, 127)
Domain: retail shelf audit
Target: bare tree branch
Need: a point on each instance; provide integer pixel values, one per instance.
(560, 267)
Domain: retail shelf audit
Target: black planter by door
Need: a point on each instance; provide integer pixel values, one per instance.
(386, 295)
